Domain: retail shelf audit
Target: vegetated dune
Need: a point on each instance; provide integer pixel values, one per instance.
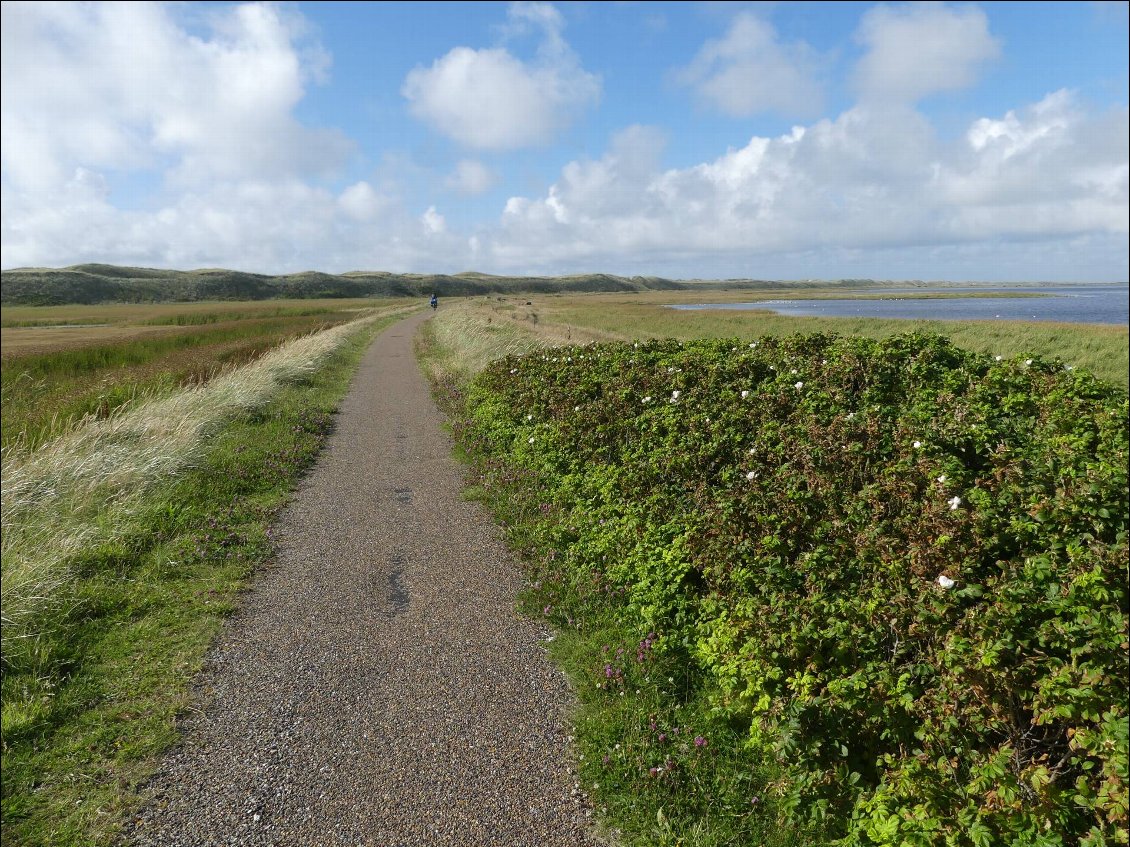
(893, 568)
(95, 283)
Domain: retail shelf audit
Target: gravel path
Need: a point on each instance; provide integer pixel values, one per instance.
(377, 686)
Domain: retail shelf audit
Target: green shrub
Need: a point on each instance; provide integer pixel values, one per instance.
(897, 567)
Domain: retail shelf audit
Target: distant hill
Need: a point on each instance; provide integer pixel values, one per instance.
(94, 283)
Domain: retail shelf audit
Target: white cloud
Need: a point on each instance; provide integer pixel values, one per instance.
(921, 49)
(94, 93)
(749, 71)
(122, 86)
(275, 226)
(1046, 169)
(524, 17)
(874, 178)
(433, 221)
(471, 177)
(490, 100)
(362, 202)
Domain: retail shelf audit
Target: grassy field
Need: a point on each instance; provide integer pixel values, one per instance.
(1101, 349)
(97, 658)
(126, 542)
(62, 363)
(150, 314)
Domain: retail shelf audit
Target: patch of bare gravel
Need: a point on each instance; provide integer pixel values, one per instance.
(377, 686)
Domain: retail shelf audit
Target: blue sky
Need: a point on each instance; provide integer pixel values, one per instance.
(771, 140)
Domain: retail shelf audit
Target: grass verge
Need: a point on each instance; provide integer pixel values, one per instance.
(91, 693)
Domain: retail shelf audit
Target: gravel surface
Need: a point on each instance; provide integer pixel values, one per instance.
(377, 686)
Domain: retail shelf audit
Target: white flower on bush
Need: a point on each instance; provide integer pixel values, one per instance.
(799, 385)
(942, 478)
(531, 439)
(529, 417)
(945, 581)
(752, 345)
(745, 394)
(752, 475)
(998, 358)
(954, 503)
(513, 370)
(647, 399)
(1027, 361)
(917, 444)
(576, 408)
(793, 371)
(675, 396)
(850, 416)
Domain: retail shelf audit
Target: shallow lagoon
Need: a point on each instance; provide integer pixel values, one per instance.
(1102, 304)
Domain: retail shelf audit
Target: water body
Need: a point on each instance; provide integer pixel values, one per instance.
(1091, 304)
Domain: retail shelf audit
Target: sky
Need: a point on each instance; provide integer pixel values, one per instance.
(769, 140)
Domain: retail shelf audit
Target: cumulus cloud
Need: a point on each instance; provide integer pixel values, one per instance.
(1048, 168)
(749, 71)
(471, 177)
(94, 93)
(921, 49)
(873, 178)
(433, 221)
(489, 99)
(123, 86)
(274, 226)
(362, 202)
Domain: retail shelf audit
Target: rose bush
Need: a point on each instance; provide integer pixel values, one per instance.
(899, 567)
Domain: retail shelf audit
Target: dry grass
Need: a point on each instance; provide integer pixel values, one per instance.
(140, 313)
(33, 330)
(466, 335)
(63, 497)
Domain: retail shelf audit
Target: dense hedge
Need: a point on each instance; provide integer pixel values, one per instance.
(899, 566)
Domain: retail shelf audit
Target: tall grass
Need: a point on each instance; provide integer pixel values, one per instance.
(1102, 349)
(480, 333)
(65, 496)
(145, 314)
(44, 392)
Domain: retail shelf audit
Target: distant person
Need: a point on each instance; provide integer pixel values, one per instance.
(434, 303)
